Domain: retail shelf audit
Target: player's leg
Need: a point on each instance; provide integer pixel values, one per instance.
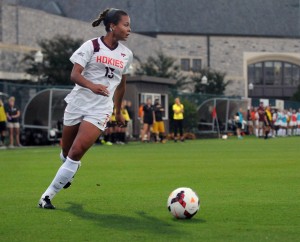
(181, 130)
(144, 132)
(175, 129)
(155, 131)
(161, 131)
(85, 138)
(11, 135)
(68, 136)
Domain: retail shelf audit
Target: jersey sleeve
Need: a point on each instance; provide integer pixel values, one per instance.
(83, 54)
(127, 67)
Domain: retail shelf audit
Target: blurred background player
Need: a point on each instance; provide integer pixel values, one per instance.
(13, 122)
(3, 120)
(261, 119)
(158, 125)
(120, 132)
(267, 121)
(298, 121)
(148, 119)
(239, 123)
(178, 110)
(130, 111)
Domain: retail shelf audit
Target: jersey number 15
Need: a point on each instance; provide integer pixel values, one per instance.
(109, 72)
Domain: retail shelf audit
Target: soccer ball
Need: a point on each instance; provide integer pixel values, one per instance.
(183, 203)
(224, 136)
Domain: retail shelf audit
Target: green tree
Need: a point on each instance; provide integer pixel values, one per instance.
(216, 83)
(159, 66)
(162, 66)
(56, 66)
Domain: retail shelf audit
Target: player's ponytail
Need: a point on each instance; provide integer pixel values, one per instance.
(108, 16)
(101, 18)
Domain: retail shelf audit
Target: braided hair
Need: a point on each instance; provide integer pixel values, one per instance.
(108, 16)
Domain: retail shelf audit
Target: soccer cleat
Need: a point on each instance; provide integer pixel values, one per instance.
(46, 203)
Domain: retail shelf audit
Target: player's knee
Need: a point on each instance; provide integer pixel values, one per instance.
(77, 151)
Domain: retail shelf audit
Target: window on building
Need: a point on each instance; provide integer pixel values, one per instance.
(288, 74)
(188, 64)
(163, 99)
(185, 64)
(296, 75)
(275, 73)
(278, 73)
(269, 73)
(196, 65)
(258, 73)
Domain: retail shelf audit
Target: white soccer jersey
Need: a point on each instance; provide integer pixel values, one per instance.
(102, 65)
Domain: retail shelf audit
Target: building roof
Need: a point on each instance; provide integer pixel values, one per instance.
(270, 18)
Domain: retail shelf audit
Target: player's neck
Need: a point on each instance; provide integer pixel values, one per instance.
(110, 42)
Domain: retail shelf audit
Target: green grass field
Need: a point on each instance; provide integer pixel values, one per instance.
(249, 191)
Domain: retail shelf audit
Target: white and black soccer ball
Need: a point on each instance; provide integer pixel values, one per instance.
(183, 203)
(224, 136)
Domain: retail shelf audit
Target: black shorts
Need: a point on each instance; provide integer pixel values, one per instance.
(239, 125)
(2, 126)
(148, 120)
(111, 124)
(268, 124)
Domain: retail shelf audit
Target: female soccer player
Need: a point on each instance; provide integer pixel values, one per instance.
(99, 72)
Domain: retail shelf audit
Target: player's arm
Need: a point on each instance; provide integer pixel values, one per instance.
(79, 79)
(118, 97)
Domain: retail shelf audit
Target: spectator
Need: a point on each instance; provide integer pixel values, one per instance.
(261, 119)
(250, 119)
(284, 120)
(275, 121)
(178, 110)
(121, 131)
(158, 125)
(293, 122)
(3, 120)
(298, 122)
(239, 122)
(13, 123)
(267, 121)
(130, 124)
(148, 119)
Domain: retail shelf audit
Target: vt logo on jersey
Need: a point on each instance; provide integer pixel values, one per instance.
(110, 61)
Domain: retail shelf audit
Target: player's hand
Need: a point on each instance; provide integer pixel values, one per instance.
(100, 89)
(120, 120)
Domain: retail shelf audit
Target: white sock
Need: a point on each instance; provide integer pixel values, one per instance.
(63, 175)
(61, 156)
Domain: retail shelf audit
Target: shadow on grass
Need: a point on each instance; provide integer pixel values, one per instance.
(143, 222)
